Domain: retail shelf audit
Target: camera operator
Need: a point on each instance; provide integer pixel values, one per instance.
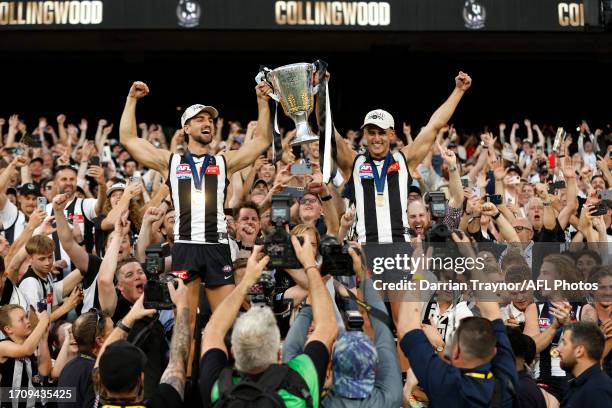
(116, 301)
(365, 374)
(120, 366)
(247, 228)
(481, 356)
(420, 216)
(256, 342)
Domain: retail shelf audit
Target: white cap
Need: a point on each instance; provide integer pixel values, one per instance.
(193, 110)
(380, 118)
(115, 187)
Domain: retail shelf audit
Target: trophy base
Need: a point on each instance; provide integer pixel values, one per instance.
(304, 140)
(304, 135)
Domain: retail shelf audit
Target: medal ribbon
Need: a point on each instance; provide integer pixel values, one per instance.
(379, 180)
(197, 177)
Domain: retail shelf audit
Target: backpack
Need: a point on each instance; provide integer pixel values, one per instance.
(262, 393)
(496, 400)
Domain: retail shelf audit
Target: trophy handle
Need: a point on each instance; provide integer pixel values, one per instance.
(261, 77)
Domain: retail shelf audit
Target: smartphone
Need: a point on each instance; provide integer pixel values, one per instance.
(106, 154)
(514, 180)
(134, 179)
(553, 187)
(41, 306)
(94, 161)
(41, 203)
(599, 209)
(494, 199)
(19, 151)
(465, 182)
(606, 196)
(302, 168)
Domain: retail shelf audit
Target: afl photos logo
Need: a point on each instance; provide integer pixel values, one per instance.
(474, 15)
(189, 13)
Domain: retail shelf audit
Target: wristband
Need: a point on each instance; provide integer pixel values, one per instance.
(123, 326)
(546, 204)
(496, 216)
(326, 198)
(310, 267)
(453, 168)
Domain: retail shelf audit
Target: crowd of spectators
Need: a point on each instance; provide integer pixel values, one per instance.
(78, 213)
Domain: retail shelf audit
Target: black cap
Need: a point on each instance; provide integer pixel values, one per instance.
(121, 366)
(513, 167)
(27, 189)
(38, 159)
(259, 181)
(415, 189)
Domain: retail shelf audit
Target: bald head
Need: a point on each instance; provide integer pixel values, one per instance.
(418, 216)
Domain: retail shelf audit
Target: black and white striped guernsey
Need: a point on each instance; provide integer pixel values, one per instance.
(199, 213)
(388, 223)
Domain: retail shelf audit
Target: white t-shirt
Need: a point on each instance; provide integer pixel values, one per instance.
(11, 216)
(33, 290)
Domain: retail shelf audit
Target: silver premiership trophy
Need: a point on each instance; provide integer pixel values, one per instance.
(293, 89)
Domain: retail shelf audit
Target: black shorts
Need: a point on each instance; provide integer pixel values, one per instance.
(212, 263)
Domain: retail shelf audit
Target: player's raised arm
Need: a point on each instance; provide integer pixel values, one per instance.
(141, 150)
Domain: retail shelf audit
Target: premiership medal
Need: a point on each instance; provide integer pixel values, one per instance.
(379, 179)
(554, 352)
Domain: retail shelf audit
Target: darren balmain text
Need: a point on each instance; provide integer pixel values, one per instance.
(475, 285)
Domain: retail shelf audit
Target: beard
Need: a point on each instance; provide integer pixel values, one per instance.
(201, 139)
(568, 364)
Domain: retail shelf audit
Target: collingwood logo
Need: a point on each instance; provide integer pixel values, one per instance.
(474, 15)
(50, 12)
(188, 13)
(333, 13)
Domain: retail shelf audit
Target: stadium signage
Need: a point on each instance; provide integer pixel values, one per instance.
(51, 12)
(332, 13)
(294, 15)
(571, 14)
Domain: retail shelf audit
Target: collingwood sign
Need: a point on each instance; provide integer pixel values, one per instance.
(22, 13)
(332, 13)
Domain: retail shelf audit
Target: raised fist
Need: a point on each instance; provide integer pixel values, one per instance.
(502, 127)
(102, 123)
(263, 91)
(83, 125)
(20, 161)
(138, 90)
(61, 119)
(463, 81)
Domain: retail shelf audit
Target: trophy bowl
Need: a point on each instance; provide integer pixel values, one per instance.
(293, 88)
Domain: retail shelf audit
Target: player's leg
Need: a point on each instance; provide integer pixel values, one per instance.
(216, 294)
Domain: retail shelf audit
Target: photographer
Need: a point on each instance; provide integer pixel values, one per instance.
(420, 216)
(365, 374)
(481, 358)
(256, 341)
(116, 301)
(120, 366)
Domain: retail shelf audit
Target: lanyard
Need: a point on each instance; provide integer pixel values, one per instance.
(197, 177)
(379, 180)
(481, 376)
